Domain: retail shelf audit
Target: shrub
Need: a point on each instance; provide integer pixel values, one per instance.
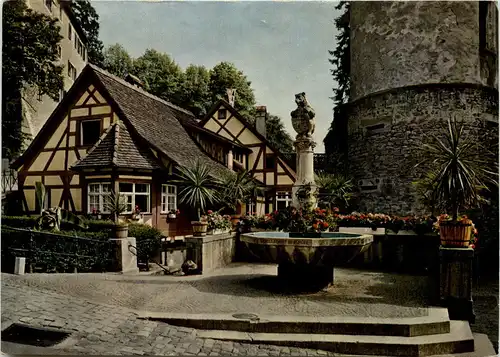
(148, 239)
(26, 222)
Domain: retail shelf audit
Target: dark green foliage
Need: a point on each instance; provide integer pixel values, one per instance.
(88, 19)
(341, 72)
(55, 252)
(29, 52)
(161, 75)
(148, 238)
(195, 89)
(277, 135)
(225, 75)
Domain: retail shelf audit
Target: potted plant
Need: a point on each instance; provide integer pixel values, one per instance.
(136, 215)
(172, 214)
(236, 189)
(117, 205)
(197, 189)
(461, 168)
(217, 223)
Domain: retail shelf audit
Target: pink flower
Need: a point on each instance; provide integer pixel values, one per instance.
(209, 211)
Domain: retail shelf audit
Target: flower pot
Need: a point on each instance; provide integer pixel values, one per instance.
(235, 219)
(199, 228)
(455, 234)
(121, 231)
(172, 216)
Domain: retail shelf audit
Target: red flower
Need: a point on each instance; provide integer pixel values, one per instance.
(325, 224)
(210, 211)
(336, 209)
(473, 246)
(315, 226)
(178, 212)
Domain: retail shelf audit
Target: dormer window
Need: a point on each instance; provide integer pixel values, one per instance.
(221, 114)
(90, 131)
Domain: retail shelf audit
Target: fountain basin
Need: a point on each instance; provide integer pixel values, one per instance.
(306, 259)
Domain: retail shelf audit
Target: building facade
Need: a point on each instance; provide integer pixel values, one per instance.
(108, 134)
(415, 64)
(73, 56)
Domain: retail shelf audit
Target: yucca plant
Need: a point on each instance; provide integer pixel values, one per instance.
(115, 203)
(461, 168)
(237, 188)
(197, 188)
(334, 190)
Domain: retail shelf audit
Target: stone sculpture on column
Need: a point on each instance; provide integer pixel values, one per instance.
(304, 188)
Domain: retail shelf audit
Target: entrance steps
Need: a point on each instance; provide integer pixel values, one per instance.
(433, 334)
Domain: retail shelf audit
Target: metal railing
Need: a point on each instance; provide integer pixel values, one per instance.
(51, 252)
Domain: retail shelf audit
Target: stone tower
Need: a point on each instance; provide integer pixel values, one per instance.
(414, 64)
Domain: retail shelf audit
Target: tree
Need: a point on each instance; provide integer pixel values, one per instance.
(88, 20)
(277, 135)
(225, 75)
(341, 60)
(163, 77)
(30, 52)
(194, 90)
(117, 60)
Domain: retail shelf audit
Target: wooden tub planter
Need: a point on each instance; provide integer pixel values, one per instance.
(218, 231)
(455, 234)
(199, 228)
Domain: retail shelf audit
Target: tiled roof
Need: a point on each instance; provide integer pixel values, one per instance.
(116, 148)
(157, 121)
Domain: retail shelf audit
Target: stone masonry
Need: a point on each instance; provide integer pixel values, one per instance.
(413, 66)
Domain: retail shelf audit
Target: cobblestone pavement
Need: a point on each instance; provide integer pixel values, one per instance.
(110, 330)
(243, 288)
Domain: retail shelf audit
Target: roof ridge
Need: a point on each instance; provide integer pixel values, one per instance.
(115, 144)
(140, 90)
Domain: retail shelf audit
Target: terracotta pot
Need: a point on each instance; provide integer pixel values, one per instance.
(121, 230)
(199, 228)
(235, 219)
(455, 234)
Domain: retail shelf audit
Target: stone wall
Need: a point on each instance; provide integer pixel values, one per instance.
(397, 44)
(385, 130)
(212, 251)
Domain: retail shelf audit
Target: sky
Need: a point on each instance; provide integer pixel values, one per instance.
(282, 47)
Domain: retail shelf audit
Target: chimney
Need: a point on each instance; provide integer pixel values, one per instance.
(260, 120)
(231, 94)
(135, 81)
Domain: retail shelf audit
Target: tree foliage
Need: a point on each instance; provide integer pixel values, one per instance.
(88, 20)
(117, 60)
(341, 61)
(161, 75)
(225, 75)
(196, 88)
(277, 135)
(30, 52)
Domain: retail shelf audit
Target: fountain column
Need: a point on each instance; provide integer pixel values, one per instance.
(304, 188)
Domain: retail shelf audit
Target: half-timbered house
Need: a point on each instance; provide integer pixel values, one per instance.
(110, 134)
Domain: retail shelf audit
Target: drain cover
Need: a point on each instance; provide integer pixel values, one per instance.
(27, 335)
(246, 316)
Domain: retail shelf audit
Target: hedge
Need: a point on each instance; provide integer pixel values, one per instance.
(148, 238)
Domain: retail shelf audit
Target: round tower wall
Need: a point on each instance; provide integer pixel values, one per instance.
(398, 44)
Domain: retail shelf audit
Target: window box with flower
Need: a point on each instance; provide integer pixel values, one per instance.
(217, 223)
(137, 215)
(173, 213)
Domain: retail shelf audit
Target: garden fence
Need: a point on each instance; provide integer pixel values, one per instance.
(51, 252)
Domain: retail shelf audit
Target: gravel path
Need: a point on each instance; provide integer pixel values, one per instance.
(243, 288)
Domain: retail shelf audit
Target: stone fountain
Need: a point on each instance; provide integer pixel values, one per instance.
(305, 261)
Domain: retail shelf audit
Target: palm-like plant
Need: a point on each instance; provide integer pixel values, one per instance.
(334, 190)
(237, 188)
(461, 168)
(197, 187)
(115, 203)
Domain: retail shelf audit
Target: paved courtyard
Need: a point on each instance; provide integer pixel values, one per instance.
(101, 309)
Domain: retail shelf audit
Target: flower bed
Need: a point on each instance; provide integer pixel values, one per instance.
(217, 223)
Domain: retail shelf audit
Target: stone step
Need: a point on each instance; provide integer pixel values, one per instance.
(436, 322)
(458, 340)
